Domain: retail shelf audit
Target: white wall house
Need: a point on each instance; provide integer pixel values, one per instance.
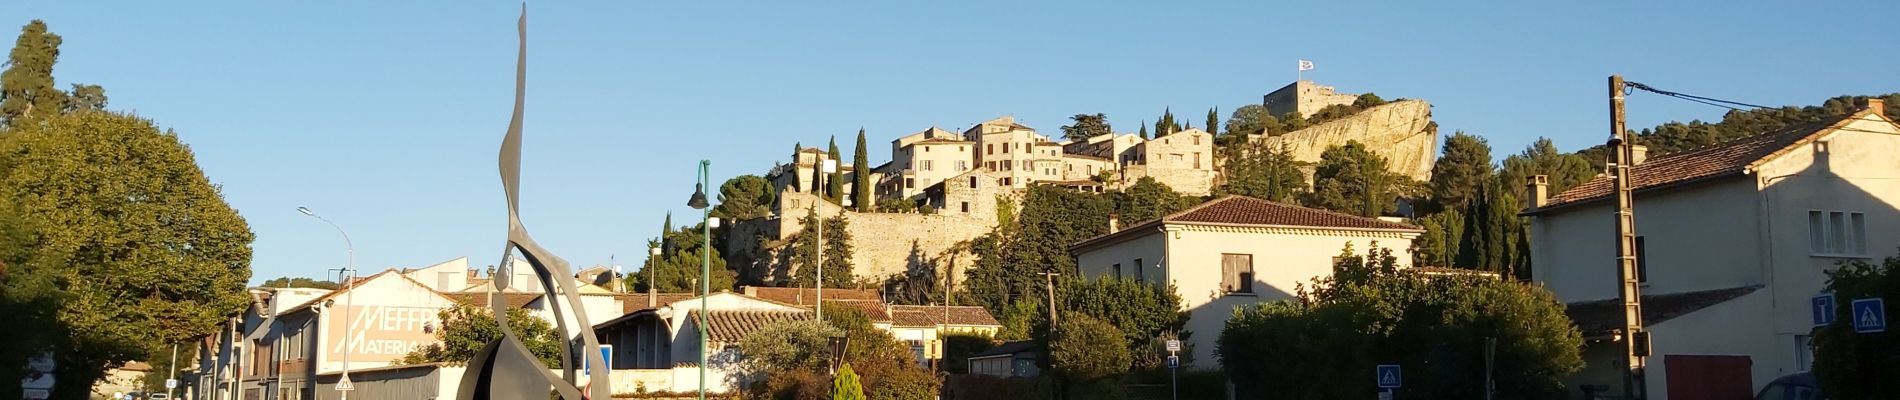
(1235, 251)
(1732, 242)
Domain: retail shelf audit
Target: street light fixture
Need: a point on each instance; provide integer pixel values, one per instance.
(698, 202)
(348, 275)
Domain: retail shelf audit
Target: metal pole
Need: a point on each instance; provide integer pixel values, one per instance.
(819, 170)
(1174, 386)
(1635, 339)
(705, 276)
(171, 375)
(349, 297)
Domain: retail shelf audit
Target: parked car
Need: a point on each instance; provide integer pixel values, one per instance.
(1800, 386)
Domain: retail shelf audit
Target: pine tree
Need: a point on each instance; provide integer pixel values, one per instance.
(1213, 122)
(861, 169)
(1144, 130)
(834, 183)
(845, 386)
(27, 83)
(1461, 172)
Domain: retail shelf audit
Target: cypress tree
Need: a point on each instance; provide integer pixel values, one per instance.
(834, 183)
(1213, 121)
(1144, 130)
(27, 83)
(861, 168)
(1166, 126)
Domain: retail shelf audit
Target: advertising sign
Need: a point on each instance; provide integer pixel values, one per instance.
(380, 333)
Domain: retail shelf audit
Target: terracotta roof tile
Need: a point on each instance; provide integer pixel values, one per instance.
(1252, 211)
(1599, 317)
(808, 296)
(635, 302)
(1726, 159)
(957, 315)
(872, 309)
(731, 326)
(912, 318)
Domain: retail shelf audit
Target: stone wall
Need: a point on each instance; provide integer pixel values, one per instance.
(1184, 161)
(882, 244)
(1304, 97)
(1401, 131)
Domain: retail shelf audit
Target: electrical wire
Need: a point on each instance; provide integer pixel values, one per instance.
(1727, 104)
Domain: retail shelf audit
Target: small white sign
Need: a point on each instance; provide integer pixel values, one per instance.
(1174, 345)
(37, 394)
(344, 385)
(171, 383)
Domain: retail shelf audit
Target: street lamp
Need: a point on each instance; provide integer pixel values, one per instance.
(348, 275)
(698, 202)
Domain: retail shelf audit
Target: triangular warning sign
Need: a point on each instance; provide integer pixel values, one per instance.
(1868, 318)
(1389, 378)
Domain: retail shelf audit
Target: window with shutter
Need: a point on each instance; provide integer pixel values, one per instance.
(1236, 273)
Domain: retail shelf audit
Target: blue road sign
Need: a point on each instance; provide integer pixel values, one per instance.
(1870, 315)
(1174, 362)
(1389, 376)
(1822, 309)
(606, 355)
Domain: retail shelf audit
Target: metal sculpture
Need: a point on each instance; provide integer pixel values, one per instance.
(505, 369)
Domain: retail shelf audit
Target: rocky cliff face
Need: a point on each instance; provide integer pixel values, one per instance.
(1400, 131)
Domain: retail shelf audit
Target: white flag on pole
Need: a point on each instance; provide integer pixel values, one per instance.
(1306, 65)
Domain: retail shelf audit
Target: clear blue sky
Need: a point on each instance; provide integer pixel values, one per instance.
(386, 117)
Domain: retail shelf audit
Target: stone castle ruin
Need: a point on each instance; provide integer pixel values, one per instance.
(962, 179)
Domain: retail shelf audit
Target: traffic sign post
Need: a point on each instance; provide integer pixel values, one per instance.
(1389, 377)
(1822, 309)
(1174, 365)
(1870, 315)
(344, 385)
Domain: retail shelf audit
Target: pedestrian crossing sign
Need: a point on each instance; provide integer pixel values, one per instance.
(1870, 315)
(1389, 377)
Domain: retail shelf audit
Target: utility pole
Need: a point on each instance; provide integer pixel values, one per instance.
(171, 376)
(1635, 339)
(1049, 281)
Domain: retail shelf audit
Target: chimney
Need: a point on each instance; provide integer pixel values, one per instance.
(1114, 223)
(1537, 192)
(1876, 104)
(1638, 154)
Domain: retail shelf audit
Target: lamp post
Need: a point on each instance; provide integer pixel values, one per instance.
(826, 167)
(348, 275)
(698, 202)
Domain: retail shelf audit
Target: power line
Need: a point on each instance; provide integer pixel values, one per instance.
(1728, 104)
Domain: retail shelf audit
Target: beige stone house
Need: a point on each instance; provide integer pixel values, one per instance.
(1234, 251)
(923, 159)
(1733, 241)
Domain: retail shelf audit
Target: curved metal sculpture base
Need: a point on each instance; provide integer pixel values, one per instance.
(505, 369)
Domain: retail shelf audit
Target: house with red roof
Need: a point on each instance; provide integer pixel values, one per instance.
(1732, 242)
(1234, 251)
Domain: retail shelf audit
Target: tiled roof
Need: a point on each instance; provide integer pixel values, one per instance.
(480, 299)
(808, 296)
(633, 302)
(912, 318)
(1242, 210)
(731, 326)
(1599, 317)
(1731, 158)
(872, 309)
(957, 315)
(1252, 211)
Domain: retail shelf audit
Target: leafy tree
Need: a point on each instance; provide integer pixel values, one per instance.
(1366, 101)
(1009, 257)
(886, 366)
(834, 182)
(837, 262)
(299, 282)
(1542, 158)
(677, 269)
(861, 169)
(1489, 241)
(1352, 180)
(1444, 234)
(1084, 348)
(1251, 119)
(466, 329)
(744, 197)
(1464, 169)
(1370, 312)
(1148, 199)
(1255, 171)
(27, 83)
(959, 346)
(1293, 121)
(1020, 319)
(1087, 126)
(845, 385)
(146, 251)
(787, 345)
(1854, 365)
(86, 98)
(1139, 311)
(1213, 121)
